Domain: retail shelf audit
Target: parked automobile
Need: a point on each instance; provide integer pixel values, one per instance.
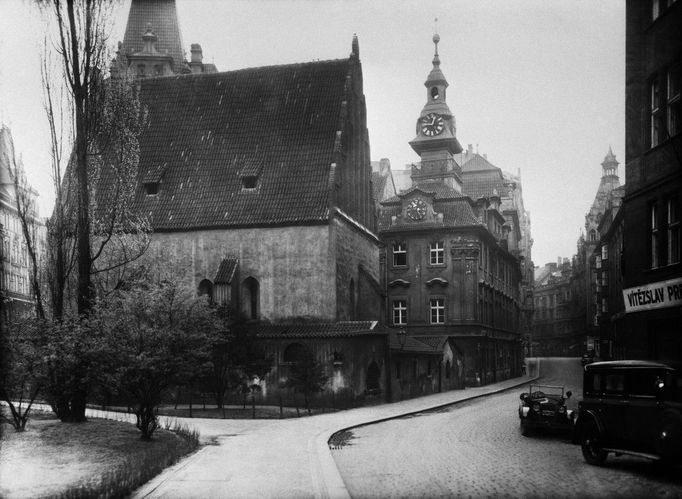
(544, 407)
(631, 407)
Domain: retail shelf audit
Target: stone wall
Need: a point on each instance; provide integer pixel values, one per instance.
(293, 265)
(352, 248)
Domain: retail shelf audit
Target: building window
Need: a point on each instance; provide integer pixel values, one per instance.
(653, 236)
(656, 112)
(436, 253)
(249, 182)
(151, 188)
(605, 252)
(674, 100)
(437, 308)
(399, 255)
(655, 9)
(294, 353)
(400, 312)
(673, 231)
(604, 279)
(593, 235)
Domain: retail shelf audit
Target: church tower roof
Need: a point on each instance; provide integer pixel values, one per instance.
(609, 165)
(163, 17)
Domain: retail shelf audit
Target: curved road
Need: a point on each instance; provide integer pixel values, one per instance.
(476, 449)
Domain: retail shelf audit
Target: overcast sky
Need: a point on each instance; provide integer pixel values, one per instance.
(537, 85)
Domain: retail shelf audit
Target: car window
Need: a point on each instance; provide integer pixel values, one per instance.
(592, 384)
(615, 383)
(644, 382)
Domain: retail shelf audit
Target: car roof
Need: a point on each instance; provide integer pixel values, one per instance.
(629, 363)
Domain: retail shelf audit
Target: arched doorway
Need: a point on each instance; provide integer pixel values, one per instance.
(373, 375)
(205, 288)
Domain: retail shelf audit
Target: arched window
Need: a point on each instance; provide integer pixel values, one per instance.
(250, 298)
(373, 374)
(593, 235)
(206, 288)
(351, 293)
(293, 353)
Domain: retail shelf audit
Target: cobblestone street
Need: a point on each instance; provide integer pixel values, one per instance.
(476, 449)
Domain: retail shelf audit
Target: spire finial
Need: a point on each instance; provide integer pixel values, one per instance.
(436, 39)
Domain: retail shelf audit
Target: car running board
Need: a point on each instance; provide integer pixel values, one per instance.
(633, 453)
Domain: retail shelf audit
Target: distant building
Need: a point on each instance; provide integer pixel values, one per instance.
(383, 185)
(15, 283)
(592, 265)
(559, 313)
(653, 193)
(452, 261)
(608, 258)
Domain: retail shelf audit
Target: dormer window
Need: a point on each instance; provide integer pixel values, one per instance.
(151, 188)
(250, 182)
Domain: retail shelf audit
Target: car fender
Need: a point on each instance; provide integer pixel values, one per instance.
(585, 417)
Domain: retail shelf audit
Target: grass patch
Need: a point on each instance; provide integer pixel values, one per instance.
(99, 458)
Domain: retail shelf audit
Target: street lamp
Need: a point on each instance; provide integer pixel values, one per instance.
(402, 337)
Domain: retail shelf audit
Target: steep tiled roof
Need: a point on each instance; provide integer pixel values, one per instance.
(378, 185)
(207, 133)
(456, 213)
(484, 184)
(163, 17)
(436, 187)
(226, 271)
(415, 344)
(322, 330)
(477, 163)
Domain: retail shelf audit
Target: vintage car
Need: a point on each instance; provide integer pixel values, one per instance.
(631, 407)
(544, 407)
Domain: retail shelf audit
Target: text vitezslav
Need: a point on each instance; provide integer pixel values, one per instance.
(656, 295)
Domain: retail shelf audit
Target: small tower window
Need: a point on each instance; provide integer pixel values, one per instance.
(249, 182)
(151, 188)
(434, 93)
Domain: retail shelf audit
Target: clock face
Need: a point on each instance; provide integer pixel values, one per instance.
(416, 210)
(432, 124)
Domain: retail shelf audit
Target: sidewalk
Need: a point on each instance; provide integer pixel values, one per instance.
(284, 458)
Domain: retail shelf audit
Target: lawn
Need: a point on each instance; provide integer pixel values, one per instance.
(99, 458)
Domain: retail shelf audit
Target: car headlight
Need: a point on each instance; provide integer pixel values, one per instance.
(562, 410)
(536, 407)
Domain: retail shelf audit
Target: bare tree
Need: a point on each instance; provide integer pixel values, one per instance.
(94, 230)
(81, 45)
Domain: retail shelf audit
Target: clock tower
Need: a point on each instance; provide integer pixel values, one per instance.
(436, 141)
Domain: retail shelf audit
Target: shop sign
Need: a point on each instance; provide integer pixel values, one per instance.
(655, 295)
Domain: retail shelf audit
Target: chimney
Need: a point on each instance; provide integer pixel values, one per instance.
(384, 166)
(196, 63)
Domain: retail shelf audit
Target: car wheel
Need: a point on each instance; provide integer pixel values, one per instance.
(590, 444)
(525, 431)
